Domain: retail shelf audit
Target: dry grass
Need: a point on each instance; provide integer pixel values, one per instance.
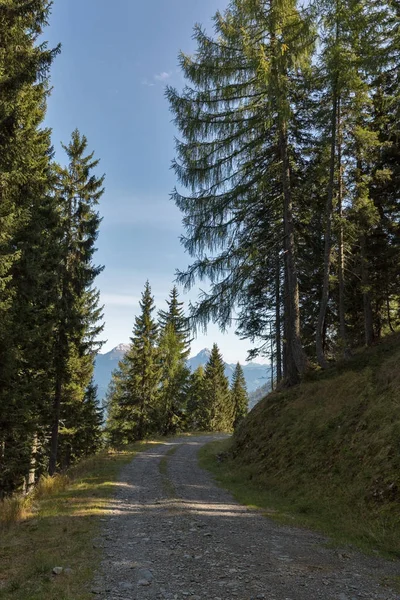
(50, 485)
(59, 531)
(15, 509)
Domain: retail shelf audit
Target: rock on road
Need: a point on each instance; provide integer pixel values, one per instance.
(173, 534)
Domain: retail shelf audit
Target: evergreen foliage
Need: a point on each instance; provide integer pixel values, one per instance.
(78, 312)
(49, 314)
(175, 316)
(195, 399)
(216, 410)
(174, 348)
(28, 239)
(133, 399)
(240, 399)
(288, 159)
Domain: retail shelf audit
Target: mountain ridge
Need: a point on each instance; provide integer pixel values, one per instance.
(256, 374)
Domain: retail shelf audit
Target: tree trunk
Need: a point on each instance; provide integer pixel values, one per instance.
(278, 340)
(56, 422)
(272, 355)
(33, 464)
(368, 317)
(328, 238)
(296, 358)
(388, 312)
(341, 278)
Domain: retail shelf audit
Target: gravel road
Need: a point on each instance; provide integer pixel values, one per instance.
(173, 534)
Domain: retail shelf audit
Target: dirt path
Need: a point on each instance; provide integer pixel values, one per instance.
(173, 534)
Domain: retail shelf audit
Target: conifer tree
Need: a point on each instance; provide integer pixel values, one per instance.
(216, 412)
(175, 317)
(134, 394)
(89, 434)
(238, 164)
(174, 377)
(195, 399)
(27, 226)
(174, 348)
(240, 399)
(78, 312)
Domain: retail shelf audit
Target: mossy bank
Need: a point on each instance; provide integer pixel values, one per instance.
(326, 454)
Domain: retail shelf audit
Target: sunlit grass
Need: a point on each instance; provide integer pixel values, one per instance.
(55, 526)
(15, 509)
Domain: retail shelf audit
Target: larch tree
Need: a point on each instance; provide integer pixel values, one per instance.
(236, 160)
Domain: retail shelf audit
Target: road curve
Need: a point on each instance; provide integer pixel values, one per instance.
(173, 534)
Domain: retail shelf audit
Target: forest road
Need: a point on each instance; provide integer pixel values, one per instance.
(173, 534)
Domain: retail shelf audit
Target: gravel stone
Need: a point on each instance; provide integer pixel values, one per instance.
(202, 544)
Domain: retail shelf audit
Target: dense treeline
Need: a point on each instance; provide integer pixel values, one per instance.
(154, 392)
(49, 310)
(290, 154)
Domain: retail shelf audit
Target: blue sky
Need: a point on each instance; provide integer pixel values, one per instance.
(109, 82)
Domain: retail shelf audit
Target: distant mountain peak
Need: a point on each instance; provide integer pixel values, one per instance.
(256, 375)
(121, 348)
(206, 352)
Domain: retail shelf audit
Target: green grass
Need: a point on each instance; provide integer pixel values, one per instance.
(325, 454)
(57, 529)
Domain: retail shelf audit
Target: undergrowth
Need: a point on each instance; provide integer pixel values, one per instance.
(55, 526)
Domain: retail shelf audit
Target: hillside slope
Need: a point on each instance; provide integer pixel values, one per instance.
(332, 446)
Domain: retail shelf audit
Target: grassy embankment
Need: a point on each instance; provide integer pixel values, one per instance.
(325, 454)
(56, 527)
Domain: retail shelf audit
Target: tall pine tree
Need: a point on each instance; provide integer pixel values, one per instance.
(216, 412)
(240, 399)
(78, 312)
(134, 394)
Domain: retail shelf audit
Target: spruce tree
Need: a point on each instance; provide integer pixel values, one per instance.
(174, 377)
(134, 394)
(240, 399)
(175, 317)
(195, 399)
(28, 244)
(89, 433)
(174, 348)
(78, 312)
(216, 412)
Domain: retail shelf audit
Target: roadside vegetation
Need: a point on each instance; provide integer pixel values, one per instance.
(325, 454)
(56, 526)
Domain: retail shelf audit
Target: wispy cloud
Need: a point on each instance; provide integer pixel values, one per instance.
(162, 76)
(157, 78)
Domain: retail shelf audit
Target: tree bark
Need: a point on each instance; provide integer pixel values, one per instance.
(296, 358)
(388, 312)
(33, 464)
(368, 316)
(278, 340)
(328, 237)
(56, 423)
(341, 277)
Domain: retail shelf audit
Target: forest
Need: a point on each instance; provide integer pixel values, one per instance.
(288, 159)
